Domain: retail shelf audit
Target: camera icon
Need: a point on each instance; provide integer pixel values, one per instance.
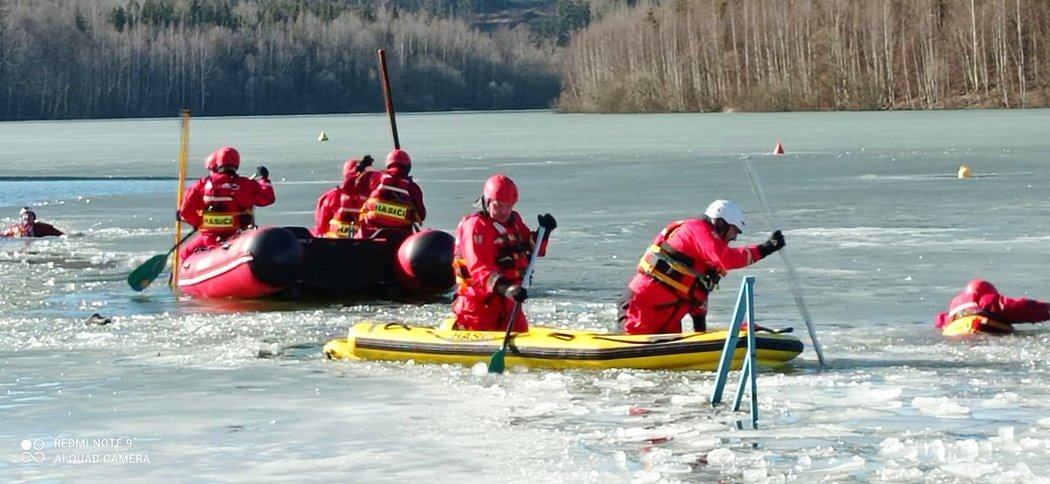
(32, 445)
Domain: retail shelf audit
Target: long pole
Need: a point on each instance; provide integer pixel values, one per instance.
(796, 288)
(388, 98)
(183, 148)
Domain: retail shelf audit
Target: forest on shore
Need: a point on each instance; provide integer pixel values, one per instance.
(770, 55)
(62, 59)
(134, 58)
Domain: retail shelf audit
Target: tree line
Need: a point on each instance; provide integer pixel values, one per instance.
(710, 55)
(130, 58)
(91, 59)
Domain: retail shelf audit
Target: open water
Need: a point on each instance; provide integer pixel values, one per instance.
(879, 228)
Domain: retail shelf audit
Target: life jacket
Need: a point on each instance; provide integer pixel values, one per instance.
(689, 279)
(390, 204)
(512, 255)
(21, 230)
(970, 319)
(221, 213)
(344, 221)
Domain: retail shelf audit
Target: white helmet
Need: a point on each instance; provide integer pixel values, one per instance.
(728, 211)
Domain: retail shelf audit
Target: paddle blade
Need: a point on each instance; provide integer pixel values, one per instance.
(496, 363)
(143, 275)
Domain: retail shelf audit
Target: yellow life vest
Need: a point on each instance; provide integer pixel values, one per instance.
(344, 222)
(390, 205)
(225, 221)
(337, 229)
(220, 214)
(676, 270)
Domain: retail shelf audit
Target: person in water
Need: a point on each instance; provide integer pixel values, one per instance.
(394, 208)
(223, 203)
(28, 226)
(979, 308)
(491, 255)
(338, 209)
(682, 265)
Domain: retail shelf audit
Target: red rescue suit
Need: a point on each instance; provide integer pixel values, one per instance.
(676, 273)
(220, 205)
(395, 205)
(981, 304)
(36, 229)
(339, 209)
(487, 250)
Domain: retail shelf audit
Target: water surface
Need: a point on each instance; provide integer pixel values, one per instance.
(878, 227)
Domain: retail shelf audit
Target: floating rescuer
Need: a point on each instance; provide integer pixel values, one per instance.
(979, 308)
(29, 227)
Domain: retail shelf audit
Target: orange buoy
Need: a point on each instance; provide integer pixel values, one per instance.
(964, 171)
(778, 149)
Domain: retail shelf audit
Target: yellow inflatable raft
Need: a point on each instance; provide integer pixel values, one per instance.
(556, 348)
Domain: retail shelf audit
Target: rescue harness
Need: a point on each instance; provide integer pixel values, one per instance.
(676, 270)
(511, 257)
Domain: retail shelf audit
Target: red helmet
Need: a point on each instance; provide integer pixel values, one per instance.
(399, 158)
(501, 189)
(350, 169)
(980, 286)
(225, 157)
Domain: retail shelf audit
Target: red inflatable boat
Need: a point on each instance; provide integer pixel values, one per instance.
(252, 264)
(262, 262)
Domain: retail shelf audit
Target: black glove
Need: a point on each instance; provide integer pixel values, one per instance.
(775, 243)
(547, 222)
(517, 293)
(365, 162)
(700, 323)
(513, 291)
(262, 172)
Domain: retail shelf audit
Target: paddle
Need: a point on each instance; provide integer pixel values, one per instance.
(796, 290)
(144, 274)
(183, 148)
(497, 363)
(388, 98)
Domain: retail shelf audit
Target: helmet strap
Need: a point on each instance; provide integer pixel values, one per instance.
(721, 228)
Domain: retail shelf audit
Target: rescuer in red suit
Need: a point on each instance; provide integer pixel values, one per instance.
(223, 203)
(981, 308)
(394, 208)
(492, 251)
(339, 208)
(682, 265)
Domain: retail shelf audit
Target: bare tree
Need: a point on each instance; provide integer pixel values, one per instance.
(812, 54)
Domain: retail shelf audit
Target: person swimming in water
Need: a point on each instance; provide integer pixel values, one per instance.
(28, 226)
